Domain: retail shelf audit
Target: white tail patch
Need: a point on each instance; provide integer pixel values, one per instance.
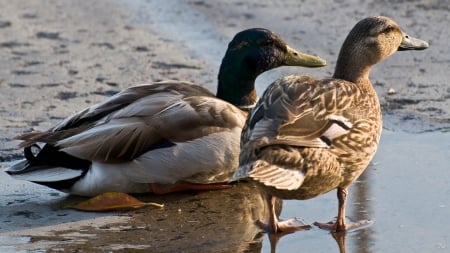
(49, 174)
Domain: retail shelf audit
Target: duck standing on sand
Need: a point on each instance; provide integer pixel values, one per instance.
(160, 137)
(306, 137)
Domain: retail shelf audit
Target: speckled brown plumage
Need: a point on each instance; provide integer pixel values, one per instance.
(306, 137)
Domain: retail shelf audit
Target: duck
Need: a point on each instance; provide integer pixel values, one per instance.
(159, 137)
(306, 136)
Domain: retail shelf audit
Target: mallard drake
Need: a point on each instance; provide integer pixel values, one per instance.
(306, 137)
(170, 133)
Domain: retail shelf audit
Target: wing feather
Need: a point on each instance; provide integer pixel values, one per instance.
(110, 133)
(275, 176)
(302, 111)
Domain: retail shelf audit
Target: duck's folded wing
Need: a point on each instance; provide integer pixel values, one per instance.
(129, 96)
(148, 123)
(162, 93)
(302, 111)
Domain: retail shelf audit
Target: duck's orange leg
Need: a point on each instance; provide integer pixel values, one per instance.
(340, 224)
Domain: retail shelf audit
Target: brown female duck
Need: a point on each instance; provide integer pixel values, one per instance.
(306, 137)
(173, 134)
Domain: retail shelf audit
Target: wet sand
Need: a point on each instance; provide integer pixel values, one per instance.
(405, 194)
(57, 57)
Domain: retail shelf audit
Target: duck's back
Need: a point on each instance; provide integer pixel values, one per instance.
(329, 127)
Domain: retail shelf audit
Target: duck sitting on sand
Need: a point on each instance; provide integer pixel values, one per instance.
(161, 137)
(306, 137)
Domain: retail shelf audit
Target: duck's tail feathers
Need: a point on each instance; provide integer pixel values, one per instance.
(276, 176)
(23, 171)
(38, 167)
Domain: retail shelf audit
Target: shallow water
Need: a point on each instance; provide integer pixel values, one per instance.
(406, 192)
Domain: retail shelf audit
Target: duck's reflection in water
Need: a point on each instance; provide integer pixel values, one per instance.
(339, 237)
(216, 221)
(362, 240)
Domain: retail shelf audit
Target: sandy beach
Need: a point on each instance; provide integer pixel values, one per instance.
(58, 57)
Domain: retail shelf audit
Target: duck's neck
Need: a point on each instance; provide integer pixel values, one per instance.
(237, 86)
(347, 68)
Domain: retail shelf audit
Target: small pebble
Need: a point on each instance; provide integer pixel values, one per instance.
(391, 91)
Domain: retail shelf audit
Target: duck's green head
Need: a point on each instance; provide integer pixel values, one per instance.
(250, 53)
